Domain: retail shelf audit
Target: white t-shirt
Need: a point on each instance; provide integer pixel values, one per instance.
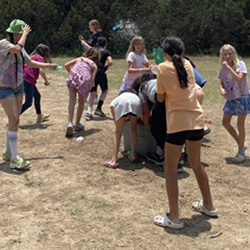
(138, 61)
(148, 91)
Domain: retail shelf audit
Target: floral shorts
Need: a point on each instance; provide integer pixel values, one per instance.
(238, 107)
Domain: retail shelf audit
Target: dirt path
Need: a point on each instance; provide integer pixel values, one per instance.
(69, 200)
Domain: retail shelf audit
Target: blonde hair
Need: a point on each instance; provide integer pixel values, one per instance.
(235, 56)
(135, 40)
(96, 25)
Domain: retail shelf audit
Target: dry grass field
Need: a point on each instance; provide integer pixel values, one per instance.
(69, 201)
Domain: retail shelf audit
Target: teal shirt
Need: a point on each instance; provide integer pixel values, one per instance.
(158, 55)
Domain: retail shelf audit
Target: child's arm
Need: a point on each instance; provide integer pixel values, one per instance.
(36, 64)
(94, 67)
(110, 63)
(145, 113)
(69, 64)
(132, 70)
(222, 90)
(43, 75)
(83, 43)
(238, 77)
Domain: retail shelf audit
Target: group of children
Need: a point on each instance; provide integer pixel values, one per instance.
(171, 98)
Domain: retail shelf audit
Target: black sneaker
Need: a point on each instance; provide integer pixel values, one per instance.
(180, 167)
(158, 160)
(88, 117)
(99, 112)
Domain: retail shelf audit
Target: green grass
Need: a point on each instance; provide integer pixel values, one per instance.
(208, 66)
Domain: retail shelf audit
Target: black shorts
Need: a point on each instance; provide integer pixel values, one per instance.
(179, 138)
(100, 79)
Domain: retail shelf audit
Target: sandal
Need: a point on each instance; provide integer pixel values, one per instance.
(164, 221)
(198, 206)
(108, 165)
(133, 160)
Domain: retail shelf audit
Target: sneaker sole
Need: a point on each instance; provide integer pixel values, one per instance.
(88, 118)
(99, 114)
(20, 168)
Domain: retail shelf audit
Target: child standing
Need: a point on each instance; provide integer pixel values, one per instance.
(176, 85)
(234, 87)
(100, 79)
(137, 62)
(81, 79)
(40, 54)
(158, 53)
(12, 58)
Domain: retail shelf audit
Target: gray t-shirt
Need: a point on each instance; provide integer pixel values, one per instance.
(148, 91)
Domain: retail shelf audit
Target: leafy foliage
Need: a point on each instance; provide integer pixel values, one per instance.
(203, 25)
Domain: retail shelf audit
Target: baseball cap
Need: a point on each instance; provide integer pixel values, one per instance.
(16, 26)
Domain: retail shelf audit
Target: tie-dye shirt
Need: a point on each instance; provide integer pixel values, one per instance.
(233, 89)
(8, 76)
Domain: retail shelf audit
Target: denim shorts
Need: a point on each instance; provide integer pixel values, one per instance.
(11, 92)
(179, 138)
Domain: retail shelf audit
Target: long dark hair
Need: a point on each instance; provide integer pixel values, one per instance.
(11, 37)
(174, 47)
(42, 50)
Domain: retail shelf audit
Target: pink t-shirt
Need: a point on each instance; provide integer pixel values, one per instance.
(183, 110)
(31, 74)
(138, 61)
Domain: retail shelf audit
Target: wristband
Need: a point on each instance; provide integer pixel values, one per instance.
(20, 45)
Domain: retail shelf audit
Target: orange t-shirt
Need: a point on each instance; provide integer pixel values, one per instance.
(183, 110)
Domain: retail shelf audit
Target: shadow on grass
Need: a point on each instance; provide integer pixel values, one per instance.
(35, 126)
(84, 133)
(246, 163)
(4, 166)
(125, 164)
(193, 227)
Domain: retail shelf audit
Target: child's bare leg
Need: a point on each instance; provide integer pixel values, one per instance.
(241, 128)
(72, 102)
(226, 122)
(133, 135)
(194, 151)
(80, 109)
(172, 156)
(117, 137)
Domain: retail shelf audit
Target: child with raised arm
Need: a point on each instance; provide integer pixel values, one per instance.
(80, 81)
(12, 58)
(40, 54)
(137, 62)
(234, 87)
(100, 79)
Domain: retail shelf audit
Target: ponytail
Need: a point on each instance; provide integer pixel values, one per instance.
(181, 71)
(174, 47)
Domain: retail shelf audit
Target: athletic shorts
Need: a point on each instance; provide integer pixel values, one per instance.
(179, 138)
(11, 92)
(100, 79)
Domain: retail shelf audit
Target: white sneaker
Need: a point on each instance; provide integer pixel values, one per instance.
(239, 158)
(69, 130)
(19, 163)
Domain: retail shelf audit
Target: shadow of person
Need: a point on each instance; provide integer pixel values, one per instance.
(230, 161)
(35, 126)
(193, 227)
(84, 133)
